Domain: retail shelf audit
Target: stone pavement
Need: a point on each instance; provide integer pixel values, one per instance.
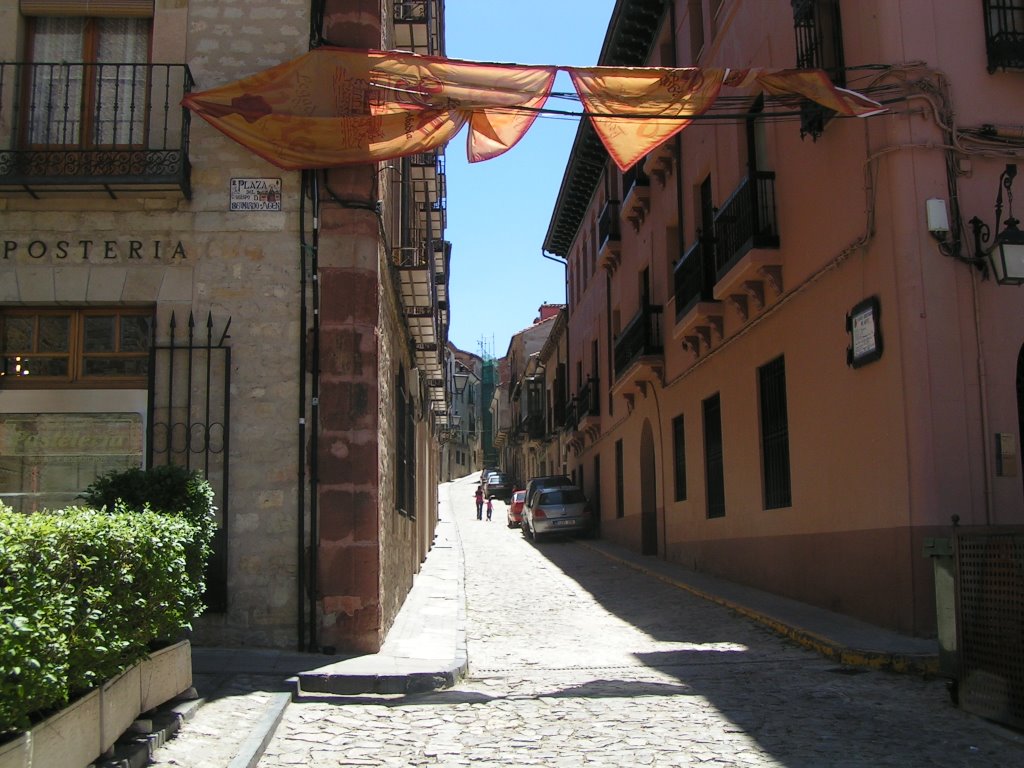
(246, 691)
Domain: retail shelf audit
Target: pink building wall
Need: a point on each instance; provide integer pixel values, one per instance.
(881, 456)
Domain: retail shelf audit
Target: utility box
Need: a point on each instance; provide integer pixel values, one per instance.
(940, 550)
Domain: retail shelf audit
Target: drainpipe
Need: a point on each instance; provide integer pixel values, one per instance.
(565, 284)
(314, 471)
(301, 485)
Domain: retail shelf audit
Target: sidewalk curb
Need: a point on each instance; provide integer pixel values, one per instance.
(925, 665)
(255, 744)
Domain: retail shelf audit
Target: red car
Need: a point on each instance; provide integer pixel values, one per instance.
(515, 509)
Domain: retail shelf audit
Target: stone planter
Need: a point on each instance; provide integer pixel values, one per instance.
(89, 726)
(15, 754)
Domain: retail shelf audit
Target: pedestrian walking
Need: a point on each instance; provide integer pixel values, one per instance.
(479, 502)
(490, 508)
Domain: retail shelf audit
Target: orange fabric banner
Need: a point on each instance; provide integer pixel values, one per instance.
(335, 106)
(661, 99)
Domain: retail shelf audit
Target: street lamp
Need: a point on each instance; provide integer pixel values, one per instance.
(461, 379)
(1007, 252)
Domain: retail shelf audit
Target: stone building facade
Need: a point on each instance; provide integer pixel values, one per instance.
(182, 300)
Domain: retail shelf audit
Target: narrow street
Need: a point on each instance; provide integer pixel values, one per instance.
(576, 661)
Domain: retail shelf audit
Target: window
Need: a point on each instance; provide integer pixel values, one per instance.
(696, 8)
(84, 348)
(620, 506)
(88, 82)
(1004, 34)
(714, 463)
(405, 450)
(819, 45)
(774, 434)
(679, 457)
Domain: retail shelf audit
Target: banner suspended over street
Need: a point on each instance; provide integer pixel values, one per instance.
(336, 106)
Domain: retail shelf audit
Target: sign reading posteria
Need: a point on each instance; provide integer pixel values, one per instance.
(863, 325)
(255, 195)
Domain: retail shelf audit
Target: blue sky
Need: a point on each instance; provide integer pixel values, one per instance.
(499, 210)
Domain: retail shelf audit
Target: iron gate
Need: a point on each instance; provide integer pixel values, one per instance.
(189, 423)
(990, 623)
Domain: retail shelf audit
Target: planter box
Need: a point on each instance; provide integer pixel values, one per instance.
(15, 754)
(165, 674)
(89, 726)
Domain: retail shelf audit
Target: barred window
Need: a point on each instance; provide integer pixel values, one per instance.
(1004, 34)
(774, 434)
(819, 45)
(679, 457)
(714, 458)
(620, 505)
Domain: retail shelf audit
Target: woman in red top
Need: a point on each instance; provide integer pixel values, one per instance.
(479, 502)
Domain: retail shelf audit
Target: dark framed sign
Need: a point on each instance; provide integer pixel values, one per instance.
(863, 323)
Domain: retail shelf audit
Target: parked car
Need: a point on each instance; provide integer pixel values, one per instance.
(498, 486)
(515, 509)
(556, 510)
(545, 481)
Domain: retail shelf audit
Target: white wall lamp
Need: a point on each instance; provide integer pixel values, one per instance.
(1006, 254)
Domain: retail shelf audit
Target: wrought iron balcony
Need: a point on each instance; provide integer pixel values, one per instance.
(84, 127)
(589, 398)
(694, 277)
(1004, 34)
(609, 236)
(571, 418)
(532, 425)
(641, 338)
(745, 221)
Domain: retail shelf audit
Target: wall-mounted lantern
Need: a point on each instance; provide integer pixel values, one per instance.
(1006, 255)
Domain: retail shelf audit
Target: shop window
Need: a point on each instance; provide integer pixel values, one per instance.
(95, 348)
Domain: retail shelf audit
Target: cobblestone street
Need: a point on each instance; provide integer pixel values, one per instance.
(575, 661)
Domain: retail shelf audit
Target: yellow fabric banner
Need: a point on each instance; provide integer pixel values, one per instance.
(335, 106)
(661, 99)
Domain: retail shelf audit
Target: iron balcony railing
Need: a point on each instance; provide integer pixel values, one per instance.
(694, 278)
(634, 177)
(589, 399)
(609, 225)
(571, 418)
(641, 338)
(532, 425)
(112, 126)
(1004, 34)
(746, 220)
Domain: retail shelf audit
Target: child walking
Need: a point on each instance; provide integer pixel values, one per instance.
(490, 508)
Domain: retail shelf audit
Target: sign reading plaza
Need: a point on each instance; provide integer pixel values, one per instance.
(255, 195)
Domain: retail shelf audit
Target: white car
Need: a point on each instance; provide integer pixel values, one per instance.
(563, 509)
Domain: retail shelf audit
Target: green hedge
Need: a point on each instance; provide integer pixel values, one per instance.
(85, 592)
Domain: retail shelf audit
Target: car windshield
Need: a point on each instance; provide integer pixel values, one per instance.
(562, 496)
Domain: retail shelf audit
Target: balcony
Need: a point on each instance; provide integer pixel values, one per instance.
(694, 277)
(747, 253)
(101, 128)
(1004, 34)
(636, 195)
(417, 26)
(639, 352)
(609, 237)
(588, 401)
(532, 426)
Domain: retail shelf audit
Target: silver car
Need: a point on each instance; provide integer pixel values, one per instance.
(556, 510)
